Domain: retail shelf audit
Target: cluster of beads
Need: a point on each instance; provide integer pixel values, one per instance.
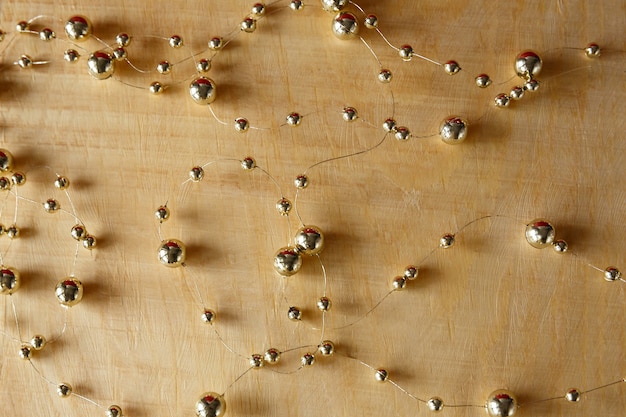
(309, 239)
(69, 290)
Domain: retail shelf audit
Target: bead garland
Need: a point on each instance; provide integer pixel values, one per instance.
(309, 239)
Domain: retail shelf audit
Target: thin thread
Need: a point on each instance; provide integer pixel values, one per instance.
(236, 380)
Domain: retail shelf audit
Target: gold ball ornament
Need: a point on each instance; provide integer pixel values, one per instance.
(78, 28)
(69, 292)
(287, 261)
(540, 233)
(309, 240)
(100, 65)
(172, 253)
(210, 404)
(202, 90)
(9, 280)
(501, 403)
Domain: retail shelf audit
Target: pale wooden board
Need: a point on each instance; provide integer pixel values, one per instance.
(490, 313)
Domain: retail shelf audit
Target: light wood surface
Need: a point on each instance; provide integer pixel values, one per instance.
(489, 313)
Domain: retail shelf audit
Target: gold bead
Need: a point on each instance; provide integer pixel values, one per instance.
(114, 411)
(271, 356)
(287, 261)
(435, 404)
(381, 375)
(573, 395)
(47, 34)
(283, 206)
(78, 28)
(172, 253)
(120, 53)
(334, 5)
(62, 183)
(301, 181)
(6, 160)
(453, 130)
(248, 25)
(326, 348)
(18, 178)
(502, 100)
(324, 304)
(203, 65)
(309, 240)
(79, 232)
(248, 163)
(162, 213)
(25, 352)
(483, 81)
(196, 174)
(64, 390)
(13, 232)
(406, 52)
(296, 5)
(208, 316)
(612, 274)
(156, 88)
(210, 404)
(257, 361)
(345, 26)
(51, 206)
(399, 283)
(175, 41)
(38, 342)
(294, 313)
(123, 39)
(100, 65)
(592, 50)
(402, 133)
(5, 184)
(69, 291)
(9, 280)
(385, 76)
(164, 67)
(371, 21)
(446, 241)
(540, 233)
(25, 62)
(451, 67)
(411, 272)
(308, 359)
(89, 242)
(501, 403)
(22, 26)
(242, 125)
(258, 9)
(293, 119)
(349, 114)
(202, 90)
(528, 65)
(216, 43)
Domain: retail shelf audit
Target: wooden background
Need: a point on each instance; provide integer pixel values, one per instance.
(490, 313)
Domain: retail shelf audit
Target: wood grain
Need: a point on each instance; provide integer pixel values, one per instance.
(489, 313)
